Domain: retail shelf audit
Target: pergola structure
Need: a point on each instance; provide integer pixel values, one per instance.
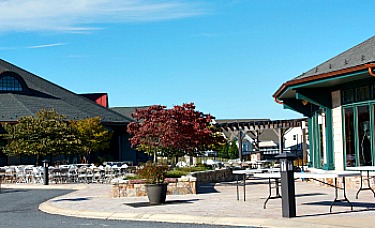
(256, 127)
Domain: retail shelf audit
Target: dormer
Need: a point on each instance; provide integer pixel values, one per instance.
(11, 82)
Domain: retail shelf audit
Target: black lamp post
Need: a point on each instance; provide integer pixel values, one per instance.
(45, 165)
(287, 184)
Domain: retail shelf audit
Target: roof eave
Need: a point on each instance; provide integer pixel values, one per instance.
(297, 81)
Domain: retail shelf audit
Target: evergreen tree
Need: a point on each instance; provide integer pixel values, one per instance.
(233, 150)
(224, 151)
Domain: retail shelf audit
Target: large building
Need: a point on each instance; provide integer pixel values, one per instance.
(338, 97)
(24, 94)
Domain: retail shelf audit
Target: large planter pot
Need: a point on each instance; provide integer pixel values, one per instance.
(156, 193)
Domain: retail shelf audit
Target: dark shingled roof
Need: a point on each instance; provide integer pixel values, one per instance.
(43, 94)
(360, 54)
(127, 111)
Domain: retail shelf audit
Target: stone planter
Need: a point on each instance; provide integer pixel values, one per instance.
(136, 188)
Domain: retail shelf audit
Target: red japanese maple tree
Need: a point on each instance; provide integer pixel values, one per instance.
(191, 132)
(149, 129)
(175, 132)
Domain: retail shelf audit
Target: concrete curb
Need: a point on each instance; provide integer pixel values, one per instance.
(178, 218)
(49, 187)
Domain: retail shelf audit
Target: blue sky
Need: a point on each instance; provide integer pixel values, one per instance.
(226, 56)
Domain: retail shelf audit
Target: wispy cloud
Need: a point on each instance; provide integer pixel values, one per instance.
(47, 45)
(33, 46)
(80, 15)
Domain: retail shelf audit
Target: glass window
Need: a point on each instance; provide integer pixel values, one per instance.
(321, 126)
(362, 93)
(363, 129)
(349, 137)
(9, 83)
(348, 96)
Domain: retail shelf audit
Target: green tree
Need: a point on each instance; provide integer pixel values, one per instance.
(92, 135)
(233, 150)
(46, 134)
(223, 152)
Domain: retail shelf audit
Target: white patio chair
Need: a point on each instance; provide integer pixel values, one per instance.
(29, 173)
(72, 174)
(38, 175)
(89, 175)
(98, 175)
(64, 175)
(20, 174)
(81, 175)
(54, 175)
(109, 174)
(10, 174)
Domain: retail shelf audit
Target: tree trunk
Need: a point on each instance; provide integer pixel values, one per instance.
(37, 160)
(191, 160)
(155, 156)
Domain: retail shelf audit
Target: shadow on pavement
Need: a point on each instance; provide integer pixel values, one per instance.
(206, 188)
(147, 204)
(12, 190)
(310, 194)
(343, 204)
(335, 213)
(71, 199)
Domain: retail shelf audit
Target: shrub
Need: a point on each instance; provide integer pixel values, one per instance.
(153, 173)
(176, 173)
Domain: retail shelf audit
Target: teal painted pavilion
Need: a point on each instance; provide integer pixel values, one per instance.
(338, 97)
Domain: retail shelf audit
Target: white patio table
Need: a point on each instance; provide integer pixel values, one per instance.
(315, 175)
(249, 172)
(362, 169)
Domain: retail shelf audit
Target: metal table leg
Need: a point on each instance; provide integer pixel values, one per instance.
(238, 194)
(336, 195)
(244, 187)
(277, 195)
(368, 184)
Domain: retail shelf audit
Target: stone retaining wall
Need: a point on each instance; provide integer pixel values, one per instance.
(134, 188)
(177, 186)
(214, 176)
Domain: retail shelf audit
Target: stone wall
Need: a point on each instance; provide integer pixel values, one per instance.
(176, 186)
(214, 176)
(134, 188)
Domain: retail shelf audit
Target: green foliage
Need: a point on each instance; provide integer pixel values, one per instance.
(200, 167)
(133, 177)
(92, 134)
(223, 152)
(152, 172)
(176, 173)
(49, 133)
(233, 150)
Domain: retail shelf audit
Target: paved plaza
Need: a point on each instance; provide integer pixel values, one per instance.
(215, 204)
